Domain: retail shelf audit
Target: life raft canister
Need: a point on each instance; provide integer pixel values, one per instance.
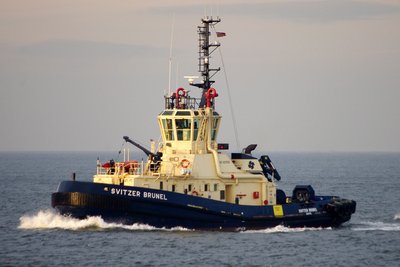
(185, 163)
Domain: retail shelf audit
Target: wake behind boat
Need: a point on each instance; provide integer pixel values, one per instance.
(189, 182)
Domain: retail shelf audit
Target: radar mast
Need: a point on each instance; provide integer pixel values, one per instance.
(205, 50)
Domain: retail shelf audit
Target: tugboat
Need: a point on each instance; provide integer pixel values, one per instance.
(189, 182)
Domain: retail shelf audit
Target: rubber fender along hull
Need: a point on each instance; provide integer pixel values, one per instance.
(129, 205)
(341, 210)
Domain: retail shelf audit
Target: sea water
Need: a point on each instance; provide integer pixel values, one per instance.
(32, 234)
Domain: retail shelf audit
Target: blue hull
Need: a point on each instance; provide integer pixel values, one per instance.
(128, 205)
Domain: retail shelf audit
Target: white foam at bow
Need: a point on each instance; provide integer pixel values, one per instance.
(48, 219)
(397, 216)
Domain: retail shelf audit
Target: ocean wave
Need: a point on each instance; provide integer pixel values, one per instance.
(284, 229)
(376, 226)
(48, 219)
(397, 216)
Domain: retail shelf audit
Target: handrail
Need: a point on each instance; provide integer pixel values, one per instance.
(120, 168)
(187, 102)
(216, 161)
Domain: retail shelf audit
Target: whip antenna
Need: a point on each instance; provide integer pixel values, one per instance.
(170, 55)
(228, 91)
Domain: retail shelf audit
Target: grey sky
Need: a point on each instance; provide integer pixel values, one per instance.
(304, 75)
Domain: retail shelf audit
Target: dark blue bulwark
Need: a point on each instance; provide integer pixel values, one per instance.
(128, 205)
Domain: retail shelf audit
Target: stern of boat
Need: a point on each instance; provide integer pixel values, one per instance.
(341, 210)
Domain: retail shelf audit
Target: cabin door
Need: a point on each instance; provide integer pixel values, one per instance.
(230, 194)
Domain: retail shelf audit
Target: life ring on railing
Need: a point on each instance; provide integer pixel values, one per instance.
(194, 193)
(210, 95)
(180, 92)
(185, 163)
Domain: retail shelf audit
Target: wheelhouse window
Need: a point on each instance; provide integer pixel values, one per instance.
(168, 129)
(214, 128)
(183, 128)
(196, 125)
(182, 113)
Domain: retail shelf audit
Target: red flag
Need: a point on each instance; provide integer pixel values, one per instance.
(221, 34)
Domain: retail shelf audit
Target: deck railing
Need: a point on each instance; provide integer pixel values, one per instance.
(119, 168)
(184, 102)
(137, 168)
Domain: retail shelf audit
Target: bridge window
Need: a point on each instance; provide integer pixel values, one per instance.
(183, 127)
(196, 125)
(167, 112)
(214, 129)
(168, 129)
(182, 113)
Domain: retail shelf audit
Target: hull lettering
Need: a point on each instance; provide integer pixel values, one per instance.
(135, 193)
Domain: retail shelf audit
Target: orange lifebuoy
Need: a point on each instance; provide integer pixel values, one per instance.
(180, 92)
(210, 95)
(185, 163)
(194, 193)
